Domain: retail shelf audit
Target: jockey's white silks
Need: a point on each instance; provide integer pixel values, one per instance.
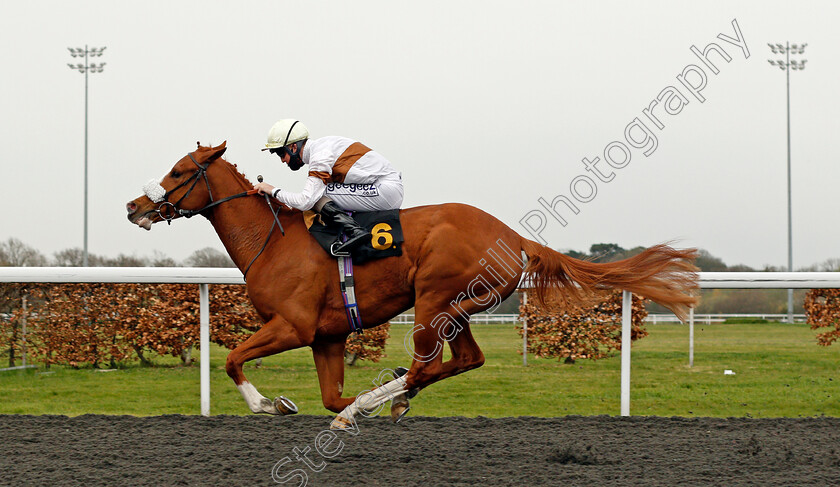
(355, 177)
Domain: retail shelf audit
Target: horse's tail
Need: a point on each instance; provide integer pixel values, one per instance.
(660, 273)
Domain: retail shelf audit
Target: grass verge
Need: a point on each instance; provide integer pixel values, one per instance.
(779, 372)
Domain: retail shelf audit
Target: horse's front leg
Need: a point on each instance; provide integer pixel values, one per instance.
(329, 363)
(274, 337)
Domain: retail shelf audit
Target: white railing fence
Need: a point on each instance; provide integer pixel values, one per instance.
(722, 280)
(652, 318)
(479, 319)
(205, 276)
(656, 318)
(143, 275)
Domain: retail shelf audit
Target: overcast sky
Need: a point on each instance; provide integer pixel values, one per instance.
(494, 104)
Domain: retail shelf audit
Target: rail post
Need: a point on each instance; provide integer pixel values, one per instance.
(525, 331)
(626, 328)
(691, 336)
(204, 343)
(23, 330)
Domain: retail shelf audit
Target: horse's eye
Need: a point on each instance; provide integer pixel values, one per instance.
(175, 174)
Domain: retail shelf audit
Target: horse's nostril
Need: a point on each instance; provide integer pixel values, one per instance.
(131, 207)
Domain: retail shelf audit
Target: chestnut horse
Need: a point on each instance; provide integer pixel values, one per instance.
(456, 260)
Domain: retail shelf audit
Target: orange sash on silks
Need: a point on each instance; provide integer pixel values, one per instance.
(310, 217)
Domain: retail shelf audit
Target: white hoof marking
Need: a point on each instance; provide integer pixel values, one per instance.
(256, 401)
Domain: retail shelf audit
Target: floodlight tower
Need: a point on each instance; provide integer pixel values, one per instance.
(85, 69)
(786, 66)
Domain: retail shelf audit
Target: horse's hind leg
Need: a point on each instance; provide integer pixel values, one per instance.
(466, 354)
(274, 337)
(329, 362)
(428, 341)
(400, 404)
(428, 347)
(428, 355)
(428, 366)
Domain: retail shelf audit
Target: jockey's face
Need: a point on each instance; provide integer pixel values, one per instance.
(294, 162)
(284, 156)
(282, 153)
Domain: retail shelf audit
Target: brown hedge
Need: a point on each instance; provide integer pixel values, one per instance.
(822, 308)
(76, 324)
(589, 332)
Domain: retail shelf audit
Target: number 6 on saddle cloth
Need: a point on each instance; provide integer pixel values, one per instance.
(385, 229)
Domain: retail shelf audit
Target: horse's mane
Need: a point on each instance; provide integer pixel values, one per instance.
(234, 169)
(237, 172)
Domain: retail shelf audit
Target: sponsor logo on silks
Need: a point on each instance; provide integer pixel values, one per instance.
(353, 189)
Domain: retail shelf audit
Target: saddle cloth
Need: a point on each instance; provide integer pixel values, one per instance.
(384, 226)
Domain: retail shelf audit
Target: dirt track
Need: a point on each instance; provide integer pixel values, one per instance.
(243, 450)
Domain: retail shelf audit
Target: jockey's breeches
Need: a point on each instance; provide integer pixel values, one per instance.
(384, 194)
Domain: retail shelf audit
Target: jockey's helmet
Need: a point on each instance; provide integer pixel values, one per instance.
(285, 132)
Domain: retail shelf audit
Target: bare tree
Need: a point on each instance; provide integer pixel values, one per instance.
(69, 257)
(123, 260)
(830, 265)
(15, 253)
(209, 257)
(159, 259)
(73, 258)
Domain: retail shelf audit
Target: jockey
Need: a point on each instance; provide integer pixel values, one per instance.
(343, 175)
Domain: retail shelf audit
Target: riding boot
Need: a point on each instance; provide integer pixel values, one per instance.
(356, 235)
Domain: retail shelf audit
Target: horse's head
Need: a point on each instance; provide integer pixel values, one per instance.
(183, 190)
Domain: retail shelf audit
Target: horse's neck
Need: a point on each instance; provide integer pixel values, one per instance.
(243, 224)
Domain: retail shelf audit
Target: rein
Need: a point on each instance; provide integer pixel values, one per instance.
(275, 222)
(169, 215)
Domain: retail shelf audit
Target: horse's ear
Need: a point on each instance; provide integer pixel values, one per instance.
(216, 152)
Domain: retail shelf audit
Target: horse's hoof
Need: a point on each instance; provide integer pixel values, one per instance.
(285, 406)
(341, 423)
(399, 410)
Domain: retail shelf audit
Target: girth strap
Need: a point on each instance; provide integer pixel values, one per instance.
(348, 293)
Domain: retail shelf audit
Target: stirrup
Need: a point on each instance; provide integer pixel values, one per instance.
(348, 246)
(334, 250)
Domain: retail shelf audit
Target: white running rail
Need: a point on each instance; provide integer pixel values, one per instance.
(726, 280)
(205, 276)
(157, 275)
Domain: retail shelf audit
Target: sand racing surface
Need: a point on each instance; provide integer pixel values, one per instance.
(257, 450)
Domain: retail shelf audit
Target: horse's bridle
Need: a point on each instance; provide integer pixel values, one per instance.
(199, 174)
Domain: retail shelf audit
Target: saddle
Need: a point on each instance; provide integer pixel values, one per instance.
(384, 226)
